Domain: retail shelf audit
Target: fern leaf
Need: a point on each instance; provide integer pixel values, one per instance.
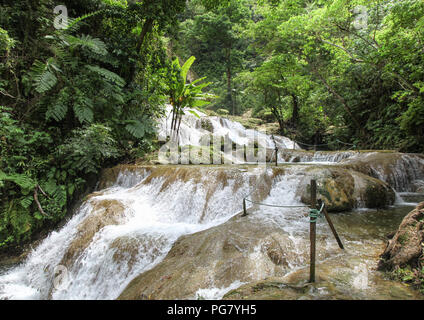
(75, 23)
(57, 112)
(27, 201)
(22, 180)
(43, 78)
(88, 42)
(108, 75)
(84, 113)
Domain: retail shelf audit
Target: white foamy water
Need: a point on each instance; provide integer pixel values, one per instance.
(145, 220)
(129, 228)
(151, 221)
(214, 293)
(193, 130)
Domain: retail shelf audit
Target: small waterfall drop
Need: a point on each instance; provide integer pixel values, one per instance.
(124, 230)
(131, 224)
(193, 130)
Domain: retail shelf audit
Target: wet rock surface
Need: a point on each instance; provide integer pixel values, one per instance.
(105, 212)
(406, 248)
(403, 172)
(274, 265)
(141, 238)
(330, 285)
(342, 189)
(241, 248)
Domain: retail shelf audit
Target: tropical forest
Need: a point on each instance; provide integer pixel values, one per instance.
(212, 150)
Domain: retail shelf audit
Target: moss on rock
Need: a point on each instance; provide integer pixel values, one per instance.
(343, 189)
(407, 245)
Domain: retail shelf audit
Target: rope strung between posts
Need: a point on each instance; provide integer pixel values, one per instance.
(245, 199)
(353, 146)
(274, 205)
(314, 214)
(311, 145)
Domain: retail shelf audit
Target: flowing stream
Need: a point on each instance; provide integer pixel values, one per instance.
(129, 226)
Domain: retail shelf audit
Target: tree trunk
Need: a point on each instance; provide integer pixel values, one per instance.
(279, 119)
(295, 115)
(338, 97)
(229, 79)
(146, 28)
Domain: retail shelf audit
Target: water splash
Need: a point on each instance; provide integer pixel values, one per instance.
(213, 293)
(103, 249)
(154, 215)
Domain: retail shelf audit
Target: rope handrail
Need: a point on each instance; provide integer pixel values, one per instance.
(314, 212)
(346, 143)
(276, 206)
(310, 145)
(266, 204)
(324, 144)
(314, 215)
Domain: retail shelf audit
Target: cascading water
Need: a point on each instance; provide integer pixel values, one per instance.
(193, 130)
(135, 225)
(131, 225)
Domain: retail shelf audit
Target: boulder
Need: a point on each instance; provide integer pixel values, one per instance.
(401, 171)
(342, 189)
(104, 212)
(406, 248)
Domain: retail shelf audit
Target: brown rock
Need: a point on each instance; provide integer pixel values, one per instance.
(242, 249)
(406, 247)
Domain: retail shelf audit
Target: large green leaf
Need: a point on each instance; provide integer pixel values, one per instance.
(43, 78)
(26, 183)
(84, 113)
(136, 128)
(186, 67)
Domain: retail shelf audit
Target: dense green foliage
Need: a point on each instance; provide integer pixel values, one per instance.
(326, 70)
(74, 100)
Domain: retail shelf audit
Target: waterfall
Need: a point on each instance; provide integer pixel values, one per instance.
(403, 172)
(124, 230)
(193, 130)
(131, 223)
(128, 228)
(324, 157)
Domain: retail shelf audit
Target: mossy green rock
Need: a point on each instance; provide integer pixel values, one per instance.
(343, 189)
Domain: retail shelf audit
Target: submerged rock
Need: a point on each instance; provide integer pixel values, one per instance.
(104, 213)
(406, 248)
(242, 248)
(334, 281)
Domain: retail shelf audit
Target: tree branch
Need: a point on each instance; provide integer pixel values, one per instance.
(344, 49)
(337, 95)
(42, 191)
(38, 202)
(3, 92)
